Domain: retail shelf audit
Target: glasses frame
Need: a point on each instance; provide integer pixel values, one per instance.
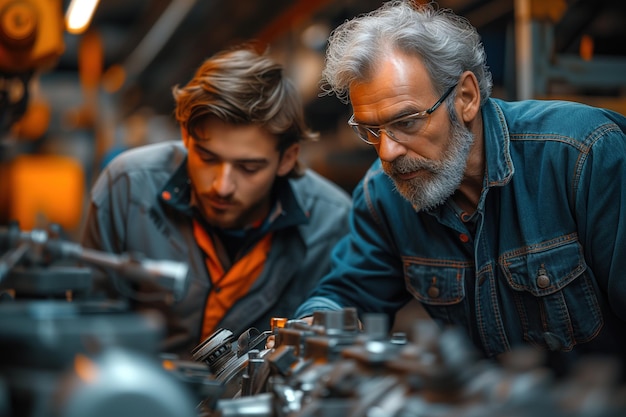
(375, 131)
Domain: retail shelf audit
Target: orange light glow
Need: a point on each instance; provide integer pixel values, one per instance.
(85, 368)
(79, 14)
(586, 47)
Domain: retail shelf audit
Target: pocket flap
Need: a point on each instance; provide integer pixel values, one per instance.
(545, 268)
(435, 285)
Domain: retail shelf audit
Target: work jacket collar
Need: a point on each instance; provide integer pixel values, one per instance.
(499, 166)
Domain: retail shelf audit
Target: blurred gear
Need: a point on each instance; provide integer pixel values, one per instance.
(31, 40)
(28, 41)
(18, 25)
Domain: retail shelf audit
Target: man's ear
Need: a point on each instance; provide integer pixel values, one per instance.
(288, 159)
(468, 97)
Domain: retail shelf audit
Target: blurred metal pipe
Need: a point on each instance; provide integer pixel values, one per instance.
(523, 49)
(157, 36)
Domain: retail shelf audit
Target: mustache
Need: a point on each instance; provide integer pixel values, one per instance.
(213, 196)
(404, 165)
(219, 199)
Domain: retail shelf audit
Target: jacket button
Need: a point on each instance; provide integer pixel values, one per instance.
(465, 217)
(433, 292)
(464, 238)
(543, 281)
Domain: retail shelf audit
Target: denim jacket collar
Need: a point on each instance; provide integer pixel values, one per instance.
(498, 165)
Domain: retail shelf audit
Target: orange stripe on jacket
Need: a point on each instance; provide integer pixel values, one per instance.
(228, 286)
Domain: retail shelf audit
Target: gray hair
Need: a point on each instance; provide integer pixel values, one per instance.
(447, 44)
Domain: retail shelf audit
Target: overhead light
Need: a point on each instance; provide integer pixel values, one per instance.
(79, 14)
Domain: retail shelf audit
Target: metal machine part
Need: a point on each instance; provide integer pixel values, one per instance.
(29, 255)
(70, 357)
(121, 383)
(29, 43)
(228, 358)
(332, 368)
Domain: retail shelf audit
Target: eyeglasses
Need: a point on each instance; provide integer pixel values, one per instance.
(402, 129)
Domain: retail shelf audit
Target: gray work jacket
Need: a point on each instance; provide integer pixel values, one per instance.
(128, 214)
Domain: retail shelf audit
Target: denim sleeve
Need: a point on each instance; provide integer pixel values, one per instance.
(600, 198)
(314, 304)
(366, 270)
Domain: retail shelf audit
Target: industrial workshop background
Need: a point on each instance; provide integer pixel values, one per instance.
(73, 99)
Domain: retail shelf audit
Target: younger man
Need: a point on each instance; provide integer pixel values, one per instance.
(231, 200)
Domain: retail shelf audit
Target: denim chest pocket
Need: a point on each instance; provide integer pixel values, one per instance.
(553, 295)
(439, 288)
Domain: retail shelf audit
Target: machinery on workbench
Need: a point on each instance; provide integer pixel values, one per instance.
(67, 355)
(332, 368)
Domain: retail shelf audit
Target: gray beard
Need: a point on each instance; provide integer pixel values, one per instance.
(441, 179)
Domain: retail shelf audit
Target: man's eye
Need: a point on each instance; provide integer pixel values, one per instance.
(249, 169)
(208, 159)
(408, 125)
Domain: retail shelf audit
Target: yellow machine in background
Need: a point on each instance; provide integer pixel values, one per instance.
(31, 40)
(31, 34)
(32, 187)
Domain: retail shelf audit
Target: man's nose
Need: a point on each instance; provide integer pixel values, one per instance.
(224, 182)
(388, 149)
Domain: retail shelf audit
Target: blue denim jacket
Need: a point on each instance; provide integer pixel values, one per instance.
(546, 263)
